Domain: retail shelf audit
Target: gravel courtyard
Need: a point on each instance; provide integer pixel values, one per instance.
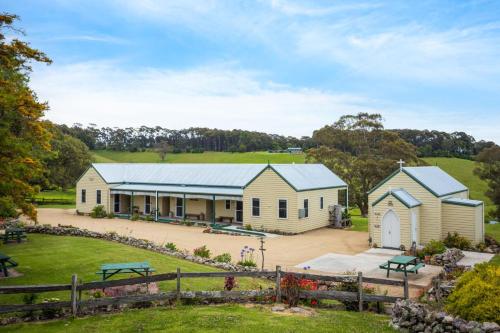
(287, 251)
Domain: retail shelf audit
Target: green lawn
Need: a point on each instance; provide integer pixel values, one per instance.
(68, 194)
(359, 223)
(46, 259)
(222, 318)
(206, 157)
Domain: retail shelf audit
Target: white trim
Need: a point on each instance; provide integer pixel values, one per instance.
(251, 206)
(278, 208)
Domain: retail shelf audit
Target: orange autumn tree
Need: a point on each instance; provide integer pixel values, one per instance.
(24, 137)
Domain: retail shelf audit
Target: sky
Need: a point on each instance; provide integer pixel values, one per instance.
(279, 66)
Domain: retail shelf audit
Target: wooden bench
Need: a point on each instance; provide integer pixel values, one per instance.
(226, 219)
(192, 216)
(141, 268)
(5, 263)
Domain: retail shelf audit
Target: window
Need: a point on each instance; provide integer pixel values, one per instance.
(228, 204)
(179, 207)
(255, 207)
(306, 207)
(321, 203)
(84, 196)
(98, 197)
(282, 208)
(117, 203)
(147, 204)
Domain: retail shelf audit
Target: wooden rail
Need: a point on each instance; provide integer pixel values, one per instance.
(76, 288)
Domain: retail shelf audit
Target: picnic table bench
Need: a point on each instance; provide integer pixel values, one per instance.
(405, 264)
(16, 234)
(226, 219)
(192, 216)
(6, 262)
(141, 268)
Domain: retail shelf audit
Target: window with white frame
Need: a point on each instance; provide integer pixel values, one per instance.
(228, 204)
(255, 207)
(98, 197)
(321, 203)
(84, 196)
(282, 208)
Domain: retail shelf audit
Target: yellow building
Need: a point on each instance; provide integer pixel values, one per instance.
(419, 204)
(290, 198)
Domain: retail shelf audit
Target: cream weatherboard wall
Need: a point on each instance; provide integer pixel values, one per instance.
(468, 220)
(318, 217)
(269, 187)
(430, 211)
(376, 214)
(91, 181)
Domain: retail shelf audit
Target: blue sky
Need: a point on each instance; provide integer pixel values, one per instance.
(279, 66)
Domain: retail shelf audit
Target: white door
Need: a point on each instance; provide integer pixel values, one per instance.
(390, 230)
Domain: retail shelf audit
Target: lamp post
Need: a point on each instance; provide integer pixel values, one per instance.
(262, 249)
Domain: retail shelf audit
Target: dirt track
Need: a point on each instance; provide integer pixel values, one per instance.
(286, 251)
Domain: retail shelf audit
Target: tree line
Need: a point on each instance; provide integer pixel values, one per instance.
(428, 143)
(194, 139)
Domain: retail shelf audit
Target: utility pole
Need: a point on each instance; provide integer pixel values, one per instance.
(262, 249)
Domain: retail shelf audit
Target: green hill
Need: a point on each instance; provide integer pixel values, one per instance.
(463, 171)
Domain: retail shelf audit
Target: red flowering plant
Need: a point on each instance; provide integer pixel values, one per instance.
(291, 287)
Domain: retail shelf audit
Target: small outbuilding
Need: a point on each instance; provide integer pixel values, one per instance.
(419, 204)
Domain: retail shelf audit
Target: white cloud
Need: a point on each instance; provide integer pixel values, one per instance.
(216, 96)
(405, 52)
(219, 96)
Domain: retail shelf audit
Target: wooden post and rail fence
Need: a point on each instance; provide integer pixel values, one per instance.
(76, 287)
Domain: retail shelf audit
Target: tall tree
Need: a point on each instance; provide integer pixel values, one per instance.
(162, 148)
(360, 151)
(70, 159)
(488, 169)
(24, 138)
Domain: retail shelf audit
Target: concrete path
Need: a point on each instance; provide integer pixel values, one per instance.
(368, 263)
(286, 251)
(473, 258)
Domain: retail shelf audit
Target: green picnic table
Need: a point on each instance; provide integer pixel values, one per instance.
(16, 234)
(405, 264)
(6, 262)
(141, 268)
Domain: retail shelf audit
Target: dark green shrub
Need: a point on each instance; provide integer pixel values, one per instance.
(98, 212)
(457, 241)
(149, 218)
(111, 215)
(202, 251)
(476, 294)
(171, 246)
(225, 257)
(434, 247)
(248, 227)
(29, 299)
(135, 217)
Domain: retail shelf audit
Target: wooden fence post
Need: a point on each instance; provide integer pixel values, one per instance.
(360, 291)
(278, 284)
(405, 287)
(74, 283)
(178, 284)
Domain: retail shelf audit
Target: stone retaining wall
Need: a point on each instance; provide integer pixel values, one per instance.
(408, 316)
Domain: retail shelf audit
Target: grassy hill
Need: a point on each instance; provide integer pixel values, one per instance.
(102, 156)
(463, 171)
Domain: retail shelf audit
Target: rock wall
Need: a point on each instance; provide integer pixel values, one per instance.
(408, 316)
